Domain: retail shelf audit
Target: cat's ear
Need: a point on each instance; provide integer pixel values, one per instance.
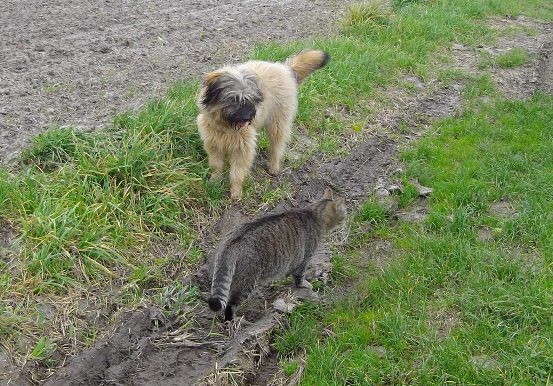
(329, 194)
(340, 203)
(329, 212)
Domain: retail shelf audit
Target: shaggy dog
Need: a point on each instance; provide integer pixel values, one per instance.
(236, 101)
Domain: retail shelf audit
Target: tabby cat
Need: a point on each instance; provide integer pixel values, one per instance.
(270, 248)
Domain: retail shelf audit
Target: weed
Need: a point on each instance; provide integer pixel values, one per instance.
(43, 349)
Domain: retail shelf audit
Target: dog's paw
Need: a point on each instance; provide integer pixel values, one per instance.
(216, 177)
(273, 170)
(236, 194)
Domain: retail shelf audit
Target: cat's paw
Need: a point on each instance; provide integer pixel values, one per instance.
(304, 284)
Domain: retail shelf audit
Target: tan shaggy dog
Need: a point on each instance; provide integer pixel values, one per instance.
(236, 101)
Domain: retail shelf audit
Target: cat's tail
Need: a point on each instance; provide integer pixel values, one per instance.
(307, 62)
(216, 303)
(222, 279)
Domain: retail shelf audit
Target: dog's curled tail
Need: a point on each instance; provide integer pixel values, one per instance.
(307, 62)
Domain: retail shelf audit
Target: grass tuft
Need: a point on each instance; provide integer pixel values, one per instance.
(367, 13)
(515, 57)
(512, 58)
(53, 146)
(88, 208)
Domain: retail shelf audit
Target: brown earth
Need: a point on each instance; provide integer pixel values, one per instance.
(146, 349)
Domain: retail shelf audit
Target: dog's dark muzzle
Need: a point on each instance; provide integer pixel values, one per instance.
(241, 118)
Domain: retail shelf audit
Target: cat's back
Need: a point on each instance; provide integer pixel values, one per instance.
(274, 229)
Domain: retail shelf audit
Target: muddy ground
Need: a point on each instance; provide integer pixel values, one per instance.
(80, 62)
(146, 349)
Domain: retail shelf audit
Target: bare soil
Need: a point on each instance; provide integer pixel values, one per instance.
(146, 349)
(77, 63)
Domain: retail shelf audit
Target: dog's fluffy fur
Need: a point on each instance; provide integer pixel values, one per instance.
(235, 102)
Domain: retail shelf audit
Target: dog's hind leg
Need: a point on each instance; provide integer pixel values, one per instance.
(240, 164)
(279, 135)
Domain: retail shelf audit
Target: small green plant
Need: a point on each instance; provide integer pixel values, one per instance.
(43, 349)
(175, 296)
(402, 3)
(515, 57)
(54, 146)
(290, 368)
(409, 194)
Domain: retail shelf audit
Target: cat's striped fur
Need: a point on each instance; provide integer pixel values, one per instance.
(270, 248)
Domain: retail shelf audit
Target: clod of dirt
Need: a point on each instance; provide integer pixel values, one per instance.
(7, 238)
(545, 69)
(422, 190)
(485, 362)
(383, 189)
(414, 81)
(415, 213)
(444, 321)
(283, 306)
(485, 234)
(378, 350)
(117, 355)
(305, 294)
(503, 209)
(459, 47)
(10, 374)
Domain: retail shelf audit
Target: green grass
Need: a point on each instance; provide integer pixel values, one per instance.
(88, 208)
(107, 195)
(515, 57)
(453, 308)
(371, 12)
(378, 45)
(512, 58)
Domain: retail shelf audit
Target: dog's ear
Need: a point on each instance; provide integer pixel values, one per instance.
(212, 90)
(211, 77)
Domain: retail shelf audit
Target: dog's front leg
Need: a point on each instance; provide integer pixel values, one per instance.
(216, 161)
(241, 162)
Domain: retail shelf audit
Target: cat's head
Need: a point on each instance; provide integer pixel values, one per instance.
(332, 210)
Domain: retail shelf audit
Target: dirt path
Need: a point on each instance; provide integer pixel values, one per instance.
(80, 62)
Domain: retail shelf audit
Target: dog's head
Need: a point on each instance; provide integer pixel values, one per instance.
(235, 94)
